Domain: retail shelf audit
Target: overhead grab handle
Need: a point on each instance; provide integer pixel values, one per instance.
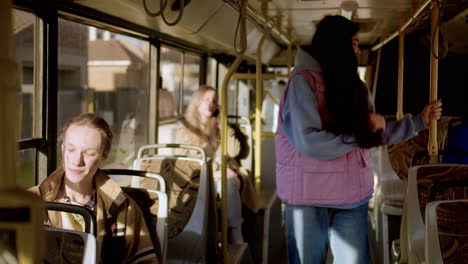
(162, 8)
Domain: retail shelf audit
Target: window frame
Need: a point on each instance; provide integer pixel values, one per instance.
(47, 14)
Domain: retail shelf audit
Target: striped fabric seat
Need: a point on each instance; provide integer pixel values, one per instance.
(447, 232)
(427, 183)
(182, 178)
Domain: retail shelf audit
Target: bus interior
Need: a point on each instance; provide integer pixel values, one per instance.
(137, 63)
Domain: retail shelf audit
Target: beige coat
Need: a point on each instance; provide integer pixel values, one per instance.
(186, 136)
(121, 230)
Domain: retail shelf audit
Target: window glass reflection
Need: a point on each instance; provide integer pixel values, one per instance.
(23, 29)
(106, 73)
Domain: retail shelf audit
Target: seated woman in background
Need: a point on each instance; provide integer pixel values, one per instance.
(201, 128)
(122, 234)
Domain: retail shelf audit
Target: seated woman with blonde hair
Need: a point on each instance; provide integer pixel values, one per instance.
(201, 128)
(122, 234)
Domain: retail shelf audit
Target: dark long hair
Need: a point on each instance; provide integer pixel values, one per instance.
(346, 95)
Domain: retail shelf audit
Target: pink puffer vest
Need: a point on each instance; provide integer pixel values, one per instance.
(304, 180)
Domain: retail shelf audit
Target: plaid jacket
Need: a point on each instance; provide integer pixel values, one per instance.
(122, 234)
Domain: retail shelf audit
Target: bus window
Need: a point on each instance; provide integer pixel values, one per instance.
(27, 167)
(191, 76)
(211, 68)
(104, 73)
(23, 29)
(171, 73)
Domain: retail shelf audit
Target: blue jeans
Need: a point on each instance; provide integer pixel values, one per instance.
(311, 230)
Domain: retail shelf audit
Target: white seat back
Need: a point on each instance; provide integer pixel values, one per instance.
(196, 240)
(451, 217)
(420, 179)
(72, 246)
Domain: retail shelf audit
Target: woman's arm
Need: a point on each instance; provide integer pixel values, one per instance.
(404, 129)
(409, 126)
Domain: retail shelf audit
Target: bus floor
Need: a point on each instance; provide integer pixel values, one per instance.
(279, 254)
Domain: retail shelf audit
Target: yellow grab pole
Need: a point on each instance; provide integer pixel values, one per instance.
(401, 63)
(9, 86)
(224, 124)
(251, 76)
(290, 57)
(258, 115)
(376, 75)
(432, 146)
(377, 67)
(24, 210)
(272, 98)
(91, 99)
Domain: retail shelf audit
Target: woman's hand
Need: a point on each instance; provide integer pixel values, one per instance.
(432, 111)
(376, 122)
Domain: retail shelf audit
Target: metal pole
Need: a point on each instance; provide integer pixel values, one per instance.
(9, 86)
(401, 62)
(290, 57)
(432, 146)
(376, 75)
(377, 68)
(258, 115)
(224, 124)
(251, 76)
(91, 97)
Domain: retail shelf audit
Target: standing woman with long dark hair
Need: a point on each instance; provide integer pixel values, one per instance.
(327, 124)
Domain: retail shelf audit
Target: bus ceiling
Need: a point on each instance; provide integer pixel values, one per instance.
(212, 24)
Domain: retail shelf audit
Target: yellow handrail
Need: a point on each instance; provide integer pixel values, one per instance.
(9, 86)
(401, 64)
(290, 58)
(265, 76)
(272, 97)
(258, 115)
(377, 68)
(91, 101)
(432, 145)
(224, 124)
(26, 225)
